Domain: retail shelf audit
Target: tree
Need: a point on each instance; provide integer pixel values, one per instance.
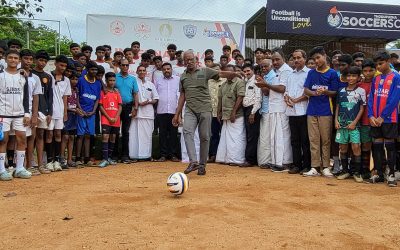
(397, 44)
(22, 7)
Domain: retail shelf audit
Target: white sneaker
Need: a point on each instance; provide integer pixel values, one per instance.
(327, 173)
(312, 173)
(57, 166)
(50, 166)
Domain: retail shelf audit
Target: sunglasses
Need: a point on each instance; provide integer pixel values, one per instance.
(125, 65)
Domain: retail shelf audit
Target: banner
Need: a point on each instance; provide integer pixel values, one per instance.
(155, 33)
(339, 19)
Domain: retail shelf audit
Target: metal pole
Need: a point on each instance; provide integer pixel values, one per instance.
(59, 37)
(255, 37)
(27, 39)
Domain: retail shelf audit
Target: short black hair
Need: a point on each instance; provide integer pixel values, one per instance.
(3, 46)
(259, 49)
(247, 65)
(230, 66)
(157, 58)
(74, 75)
(236, 50)
(209, 58)
(280, 52)
(62, 59)
(77, 64)
(226, 47)
(208, 51)
(381, 56)
(346, 58)
(368, 63)
(107, 46)
(317, 50)
(109, 75)
(100, 48)
(146, 56)
(302, 52)
(249, 60)
(100, 69)
(120, 53)
(151, 51)
(135, 43)
(357, 55)
(267, 50)
(71, 66)
(223, 56)
(91, 64)
(12, 51)
(80, 54)
(74, 45)
(87, 48)
(127, 49)
(14, 42)
(42, 54)
(26, 52)
(171, 46)
(394, 55)
(354, 70)
(335, 52)
(239, 55)
(166, 63)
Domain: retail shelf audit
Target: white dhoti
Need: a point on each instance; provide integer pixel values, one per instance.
(232, 144)
(281, 148)
(140, 138)
(264, 141)
(184, 155)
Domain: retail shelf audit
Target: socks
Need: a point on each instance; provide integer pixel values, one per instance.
(110, 149)
(391, 156)
(366, 157)
(345, 162)
(356, 164)
(10, 157)
(20, 159)
(105, 150)
(2, 162)
(49, 151)
(377, 154)
(57, 150)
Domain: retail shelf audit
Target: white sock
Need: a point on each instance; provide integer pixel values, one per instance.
(2, 162)
(20, 159)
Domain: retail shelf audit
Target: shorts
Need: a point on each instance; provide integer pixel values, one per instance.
(346, 136)
(386, 131)
(54, 124)
(85, 125)
(16, 123)
(68, 132)
(365, 134)
(111, 130)
(70, 124)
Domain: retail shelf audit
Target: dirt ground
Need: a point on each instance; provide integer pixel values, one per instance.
(129, 207)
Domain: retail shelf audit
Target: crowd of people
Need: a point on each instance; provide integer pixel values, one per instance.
(303, 113)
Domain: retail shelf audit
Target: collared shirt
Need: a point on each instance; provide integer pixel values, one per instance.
(214, 86)
(168, 91)
(270, 78)
(147, 92)
(277, 102)
(61, 88)
(195, 87)
(295, 89)
(253, 95)
(228, 94)
(35, 88)
(127, 86)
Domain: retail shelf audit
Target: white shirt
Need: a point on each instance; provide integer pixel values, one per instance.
(12, 94)
(157, 74)
(60, 89)
(3, 64)
(276, 100)
(35, 88)
(147, 91)
(105, 65)
(253, 95)
(168, 60)
(178, 70)
(295, 89)
(132, 68)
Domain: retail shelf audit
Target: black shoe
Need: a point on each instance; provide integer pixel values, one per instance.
(294, 170)
(265, 166)
(374, 179)
(211, 159)
(161, 159)
(126, 161)
(65, 167)
(246, 165)
(192, 167)
(201, 170)
(279, 169)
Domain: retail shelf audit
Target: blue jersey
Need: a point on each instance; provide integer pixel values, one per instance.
(127, 86)
(321, 105)
(89, 93)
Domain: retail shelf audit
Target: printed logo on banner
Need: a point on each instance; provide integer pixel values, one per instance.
(165, 30)
(190, 31)
(215, 33)
(142, 30)
(117, 27)
(334, 18)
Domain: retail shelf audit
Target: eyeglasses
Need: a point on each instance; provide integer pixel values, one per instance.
(124, 65)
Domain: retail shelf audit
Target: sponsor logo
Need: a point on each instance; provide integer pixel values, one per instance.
(89, 96)
(342, 19)
(190, 31)
(142, 30)
(165, 30)
(215, 33)
(117, 27)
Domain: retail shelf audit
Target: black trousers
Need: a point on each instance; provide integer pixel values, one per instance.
(215, 136)
(125, 124)
(300, 142)
(252, 134)
(168, 136)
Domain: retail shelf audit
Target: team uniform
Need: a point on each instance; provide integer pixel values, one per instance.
(72, 104)
(45, 99)
(110, 100)
(34, 89)
(365, 128)
(61, 88)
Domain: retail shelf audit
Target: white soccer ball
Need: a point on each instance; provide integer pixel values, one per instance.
(177, 183)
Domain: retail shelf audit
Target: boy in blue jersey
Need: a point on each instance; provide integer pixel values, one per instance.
(382, 112)
(320, 86)
(89, 94)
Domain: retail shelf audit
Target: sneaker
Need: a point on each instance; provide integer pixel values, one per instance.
(34, 171)
(79, 163)
(294, 170)
(50, 166)
(358, 178)
(23, 174)
(279, 169)
(57, 166)
(391, 181)
(112, 162)
(374, 179)
(336, 167)
(327, 173)
(201, 170)
(90, 164)
(5, 176)
(11, 169)
(304, 170)
(343, 176)
(103, 164)
(126, 161)
(312, 173)
(44, 170)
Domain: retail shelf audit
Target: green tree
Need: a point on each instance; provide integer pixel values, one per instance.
(397, 44)
(22, 7)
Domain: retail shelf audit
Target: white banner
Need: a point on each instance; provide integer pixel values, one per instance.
(155, 33)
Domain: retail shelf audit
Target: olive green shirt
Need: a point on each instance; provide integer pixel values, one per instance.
(214, 86)
(195, 87)
(229, 92)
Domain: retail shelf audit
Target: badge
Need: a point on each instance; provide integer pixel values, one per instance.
(390, 82)
(44, 80)
(381, 82)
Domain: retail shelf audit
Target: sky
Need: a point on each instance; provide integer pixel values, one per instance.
(74, 11)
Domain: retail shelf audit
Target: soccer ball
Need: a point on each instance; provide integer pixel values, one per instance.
(177, 183)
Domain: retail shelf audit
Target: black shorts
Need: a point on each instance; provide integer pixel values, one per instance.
(109, 130)
(69, 132)
(386, 131)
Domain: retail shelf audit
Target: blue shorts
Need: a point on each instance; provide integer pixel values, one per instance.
(85, 125)
(70, 124)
